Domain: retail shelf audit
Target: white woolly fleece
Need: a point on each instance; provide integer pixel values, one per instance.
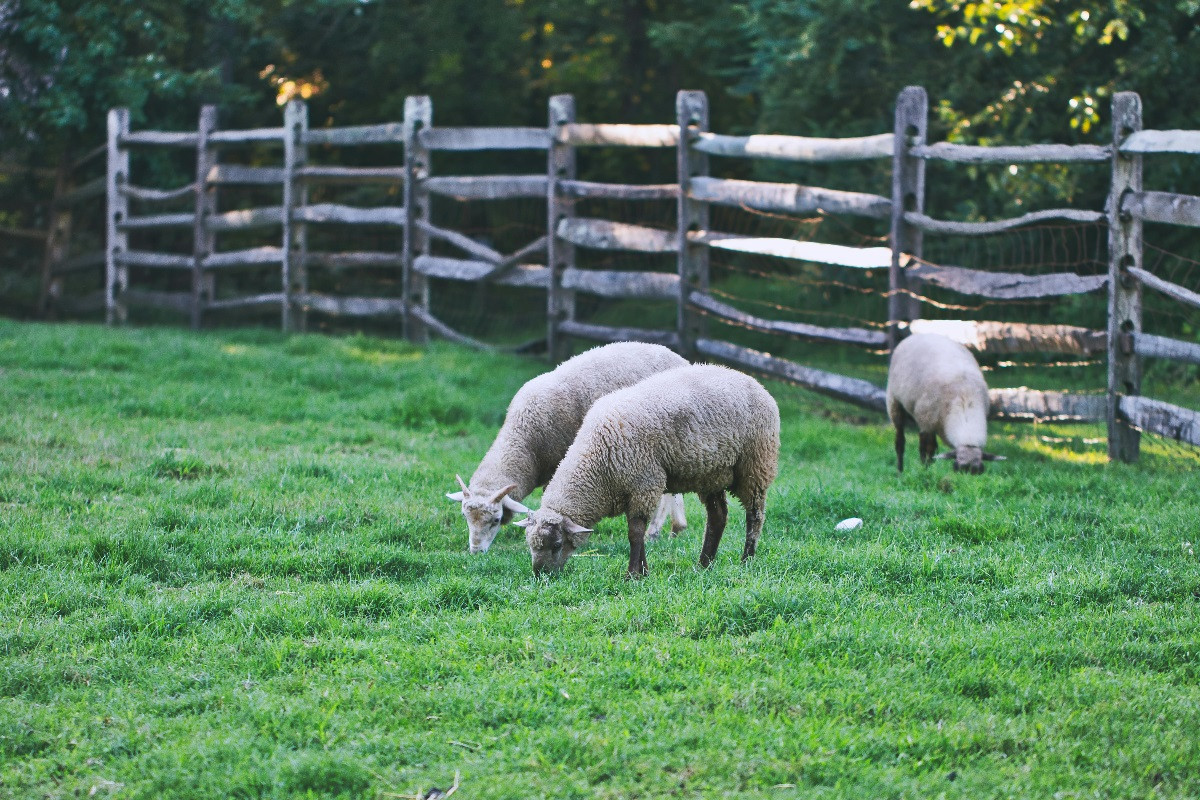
(702, 428)
(544, 416)
(938, 382)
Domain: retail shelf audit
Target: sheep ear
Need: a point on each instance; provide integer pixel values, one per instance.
(946, 455)
(458, 478)
(498, 496)
(513, 505)
(523, 523)
(571, 527)
(456, 496)
(994, 457)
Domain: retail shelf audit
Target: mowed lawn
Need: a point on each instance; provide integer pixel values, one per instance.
(228, 569)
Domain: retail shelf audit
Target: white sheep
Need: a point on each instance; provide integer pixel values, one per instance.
(704, 429)
(937, 382)
(540, 425)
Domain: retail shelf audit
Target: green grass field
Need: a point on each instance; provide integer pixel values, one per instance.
(227, 569)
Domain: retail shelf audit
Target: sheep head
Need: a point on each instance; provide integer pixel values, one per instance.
(485, 513)
(552, 538)
(969, 458)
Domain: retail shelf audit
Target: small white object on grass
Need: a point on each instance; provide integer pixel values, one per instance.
(852, 524)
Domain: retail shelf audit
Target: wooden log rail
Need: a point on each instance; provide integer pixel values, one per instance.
(788, 198)
(852, 390)
(1033, 405)
(1150, 141)
(1164, 419)
(796, 148)
(157, 195)
(500, 264)
(1006, 285)
(457, 269)
(617, 191)
(190, 140)
(246, 301)
(488, 187)
(601, 234)
(1016, 337)
(1146, 344)
(256, 256)
(470, 139)
(622, 285)
(585, 135)
(1172, 290)
(1018, 154)
(729, 314)
(327, 213)
(931, 225)
(235, 174)
(1168, 207)
(355, 135)
(147, 222)
(350, 306)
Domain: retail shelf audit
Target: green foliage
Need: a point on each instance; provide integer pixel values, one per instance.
(227, 569)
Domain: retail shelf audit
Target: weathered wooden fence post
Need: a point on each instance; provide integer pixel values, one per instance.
(116, 273)
(560, 254)
(908, 194)
(691, 113)
(295, 195)
(1124, 291)
(203, 238)
(58, 237)
(418, 115)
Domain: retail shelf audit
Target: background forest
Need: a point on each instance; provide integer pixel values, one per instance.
(1011, 72)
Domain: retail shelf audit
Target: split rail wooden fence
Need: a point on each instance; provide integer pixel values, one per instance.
(548, 263)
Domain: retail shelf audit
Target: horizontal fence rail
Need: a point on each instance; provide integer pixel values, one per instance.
(796, 148)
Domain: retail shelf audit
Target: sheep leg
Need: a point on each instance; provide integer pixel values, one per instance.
(678, 516)
(897, 414)
(659, 520)
(718, 512)
(637, 548)
(756, 514)
(928, 447)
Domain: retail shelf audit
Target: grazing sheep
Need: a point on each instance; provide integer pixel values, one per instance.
(938, 383)
(540, 425)
(703, 429)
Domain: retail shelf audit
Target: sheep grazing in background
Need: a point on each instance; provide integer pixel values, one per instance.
(540, 425)
(937, 382)
(703, 429)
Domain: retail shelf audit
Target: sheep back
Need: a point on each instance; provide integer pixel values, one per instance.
(545, 414)
(702, 428)
(938, 382)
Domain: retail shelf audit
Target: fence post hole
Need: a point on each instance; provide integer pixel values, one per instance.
(418, 115)
(58, 239)
(691, 113)
(908, 194)
(560, 254)
(295, 196)
(116, 273)
(1124, 292)
(203, 238)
